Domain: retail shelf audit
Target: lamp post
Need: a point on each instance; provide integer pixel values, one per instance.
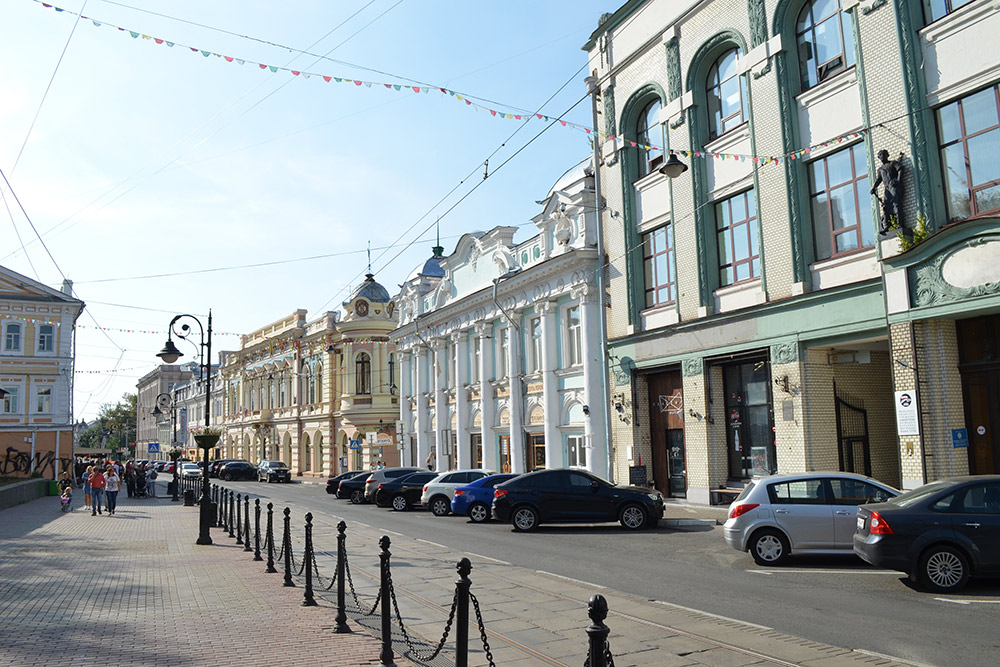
(164, 401)
(169, 354)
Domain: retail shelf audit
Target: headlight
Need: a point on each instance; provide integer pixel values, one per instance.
(655, 497)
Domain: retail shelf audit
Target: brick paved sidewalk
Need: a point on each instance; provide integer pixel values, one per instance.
(134, 589)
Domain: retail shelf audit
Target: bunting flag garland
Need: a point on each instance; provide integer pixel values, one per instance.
(35, 320)
(114, 371)
(146, 331)
(495, 113)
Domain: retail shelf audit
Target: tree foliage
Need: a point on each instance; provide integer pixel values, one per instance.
(114, 427)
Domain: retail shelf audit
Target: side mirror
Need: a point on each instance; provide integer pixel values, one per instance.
(594, 486)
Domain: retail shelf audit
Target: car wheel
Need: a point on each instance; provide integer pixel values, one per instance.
(440, 506)
(768, 547)
(228, 477)
(632, 517)
(524, 519)
(268, 479)
(479, 512)
(399, 503)
(357, 497)
(943, 569)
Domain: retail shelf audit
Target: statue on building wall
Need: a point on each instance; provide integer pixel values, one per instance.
(889, 174)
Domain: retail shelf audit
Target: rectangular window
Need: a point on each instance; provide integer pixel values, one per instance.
(12, 339)
(502, 352)
(535, 351)
(574, 351)
(477, 353)
(44, 403)
(738, 239)
(968, 136)
(840, 203)
(935, 9)
(46, 338)
(576, 452)
(658, 267)
(9, 403)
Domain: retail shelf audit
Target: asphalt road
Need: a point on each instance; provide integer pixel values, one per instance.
(839, 601)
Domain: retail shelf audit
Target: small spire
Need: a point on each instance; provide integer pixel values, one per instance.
(438, 249)
(369, 257)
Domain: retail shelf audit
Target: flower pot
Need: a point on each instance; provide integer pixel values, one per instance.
(207, 441)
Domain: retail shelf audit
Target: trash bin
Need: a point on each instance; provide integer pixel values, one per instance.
(171, 485)
(53, 488)
(188, 498)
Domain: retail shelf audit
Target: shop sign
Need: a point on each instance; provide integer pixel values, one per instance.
(907, 419)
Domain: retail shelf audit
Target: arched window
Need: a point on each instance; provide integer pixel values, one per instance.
(271, 396)
(282, 393)
(306, 384)
(649, 132)
(726, 94)
(319, 382)
(363, 374)
(824, 38)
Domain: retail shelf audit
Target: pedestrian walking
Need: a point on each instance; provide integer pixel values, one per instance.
(97, 483)
(151, 483)
(87, 490)
(112, 486)
(129, 479)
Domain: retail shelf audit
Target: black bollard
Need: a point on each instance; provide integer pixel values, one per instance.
(229, 517)
(462, 622)
(307, 563)
(218, 507)
(386, 656)
(239, 518)
(269, 539)
(222, 508)
(246, 523)
(256, 529)
(597, 632)
(286, 547)
(341, 562)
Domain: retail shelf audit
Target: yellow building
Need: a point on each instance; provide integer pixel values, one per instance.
(36, 376)
(303, 391)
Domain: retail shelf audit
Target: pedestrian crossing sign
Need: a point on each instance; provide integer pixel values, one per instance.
(154, 448)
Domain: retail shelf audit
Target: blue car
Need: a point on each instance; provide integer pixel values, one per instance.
(476, 498)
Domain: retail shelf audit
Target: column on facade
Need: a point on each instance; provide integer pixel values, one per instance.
(592, 349)
(405, 391)
(463, 456)
(423, 415)
(491, 453)
(554, 453)
(517, 441)
(440, 352)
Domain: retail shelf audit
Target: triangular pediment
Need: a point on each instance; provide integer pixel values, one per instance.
(22, 288)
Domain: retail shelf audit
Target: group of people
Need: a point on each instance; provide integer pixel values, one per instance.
(102, 482)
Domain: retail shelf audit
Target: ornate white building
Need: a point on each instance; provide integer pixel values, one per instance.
(500, 346)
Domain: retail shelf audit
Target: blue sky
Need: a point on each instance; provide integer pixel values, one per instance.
(146, 160)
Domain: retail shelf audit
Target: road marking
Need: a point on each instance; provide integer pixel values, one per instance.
(492, 560)
(706, 613)
(760, 572)
(575, 581)
(967, 602)
(883, 656)
(433, 544)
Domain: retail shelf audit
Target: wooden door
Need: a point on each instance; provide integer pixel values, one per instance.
(666, 433)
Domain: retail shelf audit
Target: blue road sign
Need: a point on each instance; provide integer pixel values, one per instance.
(355, 444)
(959, 438)
(154, 448)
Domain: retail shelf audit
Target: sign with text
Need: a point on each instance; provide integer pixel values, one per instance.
(907, 419)
(959, 438)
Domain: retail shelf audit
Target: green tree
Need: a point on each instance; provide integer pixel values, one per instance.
(114, 426)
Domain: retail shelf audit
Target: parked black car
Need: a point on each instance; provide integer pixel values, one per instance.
(236, 470)
(354, 487)
(333, 482)
(213, 466)
(940, 534)
(273, 471)
(404, 492)
(566, 495)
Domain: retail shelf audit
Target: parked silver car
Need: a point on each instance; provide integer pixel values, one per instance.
(439, 492)
(809, 513)
(381, 475)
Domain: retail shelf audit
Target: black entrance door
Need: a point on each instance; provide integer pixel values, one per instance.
(749, 419)
(979, 364)
(853, 447)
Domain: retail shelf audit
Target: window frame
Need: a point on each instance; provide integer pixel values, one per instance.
(574, 336)
(477, 349)
(9, 404)
(713, 90)
(649, 160)
(535, 338)
(43, 400)
(362, 374)
(847, 56)
(752, 229)
(862, 202)
(651, 280)
(46, 339)
(949, 8)
(17, 336)
(503, 353)
(963, 140)
(579, 460)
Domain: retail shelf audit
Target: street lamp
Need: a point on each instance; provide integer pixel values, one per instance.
(169, 354)
(163, 400)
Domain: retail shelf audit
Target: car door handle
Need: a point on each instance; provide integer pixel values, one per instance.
(781, 511)
(843, 513)
(972, 524)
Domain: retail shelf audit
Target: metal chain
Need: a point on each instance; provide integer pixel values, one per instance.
(357, 602)
(609, 659)
(482, 629)
(406, 635)
(321, 577)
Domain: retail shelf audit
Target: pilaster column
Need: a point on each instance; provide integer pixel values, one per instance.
(514, 365)
(440, 404)
(592, 349)
(423, 445)
(491, 451)
(405, 393)
(463, 456)
(554, 455)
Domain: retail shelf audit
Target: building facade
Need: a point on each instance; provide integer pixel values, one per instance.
(158, 417)
(37, 352)
(760, 321)
(310, 392)
(501, 349)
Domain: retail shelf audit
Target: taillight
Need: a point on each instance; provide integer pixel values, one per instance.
(740, 510)
(458, 492)
(499, 493)
(878, 526)
(369, 481)
(425, 487)
(380, 486)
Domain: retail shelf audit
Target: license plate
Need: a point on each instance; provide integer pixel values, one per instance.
(861, 523)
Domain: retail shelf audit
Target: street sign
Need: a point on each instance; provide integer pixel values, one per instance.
(382, 441)
(959, 438)
(154, 448)
(355, 444)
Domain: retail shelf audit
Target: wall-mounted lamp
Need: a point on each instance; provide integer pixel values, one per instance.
(586, 410)
(783, 384)
(699, 416)
(623, 406)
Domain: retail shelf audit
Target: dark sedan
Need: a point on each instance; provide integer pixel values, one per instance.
(940, 534)
(573, 496)
(354, 487)
(403, 492)
(273, 471)
(333, 482)
(213, 466)
(236, 470)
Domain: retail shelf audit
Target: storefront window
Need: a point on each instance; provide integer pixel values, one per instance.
(749, 419)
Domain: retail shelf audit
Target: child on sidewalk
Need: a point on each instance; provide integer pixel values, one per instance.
(66, 499)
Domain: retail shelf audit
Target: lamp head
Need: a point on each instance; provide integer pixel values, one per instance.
(156, 411)
(673, 167)
(169, 354)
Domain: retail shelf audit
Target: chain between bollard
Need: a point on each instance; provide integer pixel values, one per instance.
(482, 630)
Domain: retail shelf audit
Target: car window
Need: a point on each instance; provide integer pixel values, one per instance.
(391, 474)
(856, 492)
(944, 504)
(453, 478)
(798, 492)
(915, 496)
(492, 482)
(980, 499)
(576, 480)
(473, 476)
(550, 480)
